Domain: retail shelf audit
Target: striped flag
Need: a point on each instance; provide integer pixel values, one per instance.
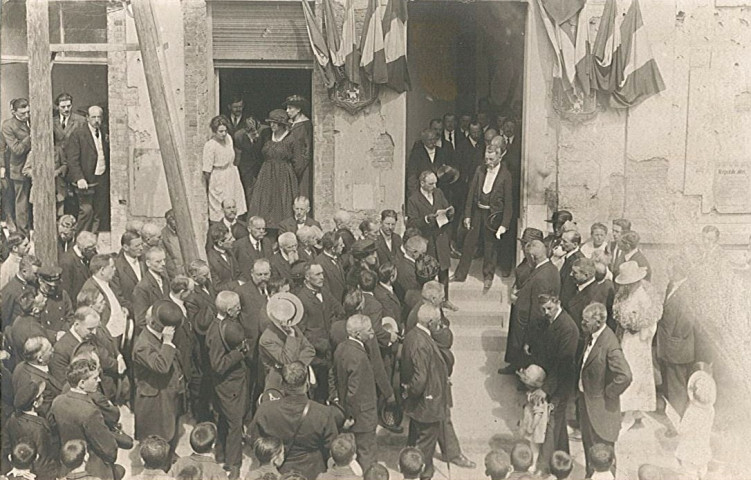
(395, 44)
(624, 64)
(349, 52)
(373, 50)
(332, 33)
(319, 47)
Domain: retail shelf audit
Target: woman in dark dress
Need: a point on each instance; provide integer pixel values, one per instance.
(301, 132)
(276, 186)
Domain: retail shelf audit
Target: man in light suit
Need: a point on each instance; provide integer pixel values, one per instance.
(604, 374)
(17, 138)
(87, 153)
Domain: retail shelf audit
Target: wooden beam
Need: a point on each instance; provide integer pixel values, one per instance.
(94, 47)
(42, 152)
(166, 122)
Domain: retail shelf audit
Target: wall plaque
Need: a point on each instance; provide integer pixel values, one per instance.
(732, 187)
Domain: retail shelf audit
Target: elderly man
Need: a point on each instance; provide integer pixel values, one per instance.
(85, 324)
(342, 219)
(37, 353)
(129, 268)
(75, 263)
(330, 261)
(570, 242)
(604, 375)
(308, 238)
(429, 211)
(21, 282)
(281, 261)
(222, 262)
(151, 235)
(66, 234)
(388, 242)
(301, 209)
(425, 156)
(369, 229)
(154, 285)
(87, 153)
(229, 352)
(171, 245)
(254, 244)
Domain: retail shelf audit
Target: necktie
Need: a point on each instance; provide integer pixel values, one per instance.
(63, 122)
(451, 138)
(96, 133)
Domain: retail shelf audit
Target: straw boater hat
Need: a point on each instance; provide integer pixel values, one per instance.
(630, 272)
(390, 325)
(702, 388)
(532, 376)
(284, 309)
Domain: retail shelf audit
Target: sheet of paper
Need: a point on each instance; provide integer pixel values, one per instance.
(441, 218)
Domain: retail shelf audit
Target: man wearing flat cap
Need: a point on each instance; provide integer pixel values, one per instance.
(59, 306)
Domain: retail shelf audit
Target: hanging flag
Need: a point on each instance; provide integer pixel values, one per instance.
(395, 44)
(607, 40)
(561, 11)
(349, 52)
(373, 54)
(332, 33)
(319, 47)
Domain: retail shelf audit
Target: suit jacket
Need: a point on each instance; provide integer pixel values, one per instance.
(637, 257)
(317, 319)
(675, 330)
(61, 356)
(80, 151)
(418, 208)
(419, 161)
(35, 431)
(355, 385)
(277, 349)
(425, 378)
(594, 292)
(605, 376)
(224, 270)
(17, 138)
(75, 273)
(9, 296)
(392, 307)
(467, 159)
(290, 224)
(25, 373)
(386, 254)
(229, 371)
(407, 288)
(125, 280)
(145, 294)
(280, 267)
(60, 135)
(25, 327)
(56, 314)
(201, 313)
(246, 255)
(544, 279)
(76, 417)
(334, 275)
(373, 309)
(560, 341)
(159, 384)
(568, 284)
(253, 313)
(501, 197)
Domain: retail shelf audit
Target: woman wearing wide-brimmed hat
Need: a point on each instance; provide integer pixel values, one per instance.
(636, 310)
(301, 131)
(276, 186)
(220, 174)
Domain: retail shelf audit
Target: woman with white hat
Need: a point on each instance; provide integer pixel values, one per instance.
(636, 310)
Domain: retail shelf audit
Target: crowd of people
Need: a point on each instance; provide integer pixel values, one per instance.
(301, 343)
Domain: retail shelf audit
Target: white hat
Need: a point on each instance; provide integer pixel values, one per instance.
(630, 272)
(284, 309)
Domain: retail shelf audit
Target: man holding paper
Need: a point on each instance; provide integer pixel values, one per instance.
(487, 213)
(430, 212)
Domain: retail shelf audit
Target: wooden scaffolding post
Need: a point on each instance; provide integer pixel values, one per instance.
(42, 152)
(165, 121)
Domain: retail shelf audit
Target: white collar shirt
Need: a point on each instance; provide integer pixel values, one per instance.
(134, 264)
(588, 350)
(116, 323)
(101, 165)
(490, 176)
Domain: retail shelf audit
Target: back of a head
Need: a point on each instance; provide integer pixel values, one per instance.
(22, 456)
(202, 437)
(343, 449)
(155, 452)
(73, 454)
(561, 464)
(266, 448)
(521, 457)
(497, 464)
(376, 471)
(650, 472)
(411, 462)
(294, 375)
(601, 456)
(189, 472)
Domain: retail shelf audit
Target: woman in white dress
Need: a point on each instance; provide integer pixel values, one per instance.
(220, 175)
(636, 310)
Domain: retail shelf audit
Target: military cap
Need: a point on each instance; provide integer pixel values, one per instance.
(50, 274)
(363, 247)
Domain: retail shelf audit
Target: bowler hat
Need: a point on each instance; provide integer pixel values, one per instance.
(232, 333)
(630, 272)
(203, 322)
(494, 221)
(296, 101)
(50, 274)
(531, 234)
(447, 175)
(561, 216)
(27, 392)
(426, 268)
(391, 417)
(284, 309)
(167, 313)
(363, 247)
(278, 116)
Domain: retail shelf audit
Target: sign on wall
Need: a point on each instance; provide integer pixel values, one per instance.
(732, 187)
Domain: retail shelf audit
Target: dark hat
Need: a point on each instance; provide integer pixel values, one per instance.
(531, 234)
(167, 313)
(296, 101)
(50, 274)
(26, 394)
(561, 216)
(447, 175)
(232, 333)
(391, 416)
(203, 322)
(278, 116)
(67, 221)
(426, 268)
(337, 411)
(494, 221)
(363, 247)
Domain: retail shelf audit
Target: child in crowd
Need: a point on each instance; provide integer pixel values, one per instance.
(21, 459)
(695, 428)
(343, 454)
(536, 411)
(202, 440)
(497, 465)
(561, 465)
(411, 463)
(269, 452)
(376, 472)
(74, 457)
(155, 454)
(189, 472)
(521, 460)
(602, 457)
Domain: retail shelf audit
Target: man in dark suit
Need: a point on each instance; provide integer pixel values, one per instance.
(307, 428)
(388, 243)
(588, 290)
(37, 354)
(248, 142)
(675, 341)
(424, 377)
(222, 262)
(66, 121)
(160, 384)
(628, 245)
(512, 159)
(470, 154)
(129, 268)
(282, 260)
(557, 356)
(570, 242)
(253, 298)
(425, 156)
(321, 309)
(28, 324)
(22, 282)
(353, 385)
(301, 209)
(407, 287)
(604, 374)
(489, 194)
(87, 153)
(330, 261)
(16, 133)
(385, 294)
(154, 285)
(235, 114)
(252, 246)
(75, 263)
(422, 213)
(620, 226)
(236, 227)
(85, 324)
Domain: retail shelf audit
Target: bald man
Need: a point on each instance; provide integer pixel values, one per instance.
(87, 152)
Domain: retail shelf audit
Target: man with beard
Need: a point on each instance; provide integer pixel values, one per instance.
(75, 263)
(388, 243)
(201, 312)
(21, 282)
(425, 156)
(66, 232)
(281, 261)
(330, 261)
(59, 306)
(308, 238)
(153, 286)
(252, 246)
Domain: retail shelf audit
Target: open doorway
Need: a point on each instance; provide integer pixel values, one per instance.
(468, 58)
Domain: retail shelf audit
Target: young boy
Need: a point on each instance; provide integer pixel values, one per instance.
(497, 465)
(202, 440)
(376, 472)
(411, 463)
(21, 459)
(343, 452)
(521, 460)
(155, 454)
(269, 452)
(602, 457)
(561, 465)
(74, 457)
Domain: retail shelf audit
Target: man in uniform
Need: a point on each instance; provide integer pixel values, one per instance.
(59, 305)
